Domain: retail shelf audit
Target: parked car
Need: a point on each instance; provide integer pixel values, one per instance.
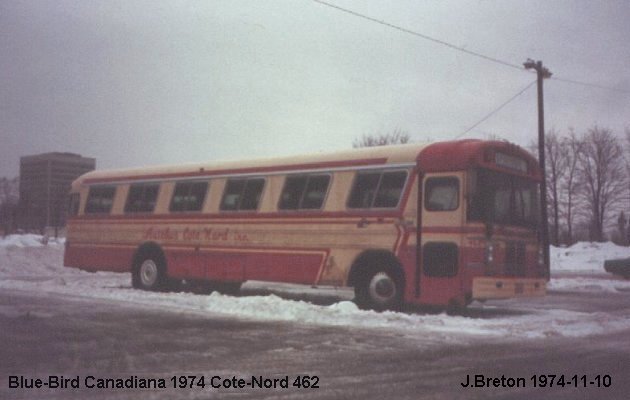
(620, 266)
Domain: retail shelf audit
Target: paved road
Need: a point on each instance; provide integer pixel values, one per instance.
(53, 335)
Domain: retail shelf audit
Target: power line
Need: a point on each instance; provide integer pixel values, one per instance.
(420, 35)
(458, 48)
(593, 85)
(496, 110)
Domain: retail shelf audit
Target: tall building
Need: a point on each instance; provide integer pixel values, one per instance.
(44, 185)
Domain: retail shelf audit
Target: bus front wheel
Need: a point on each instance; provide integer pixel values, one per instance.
(379, 289)
(149, 274)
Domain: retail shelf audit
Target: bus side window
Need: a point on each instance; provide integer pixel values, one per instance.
(188, 196)
(252, 194)
(390, 189)
(377, 189)
(441, 194)
(440, 259)
(73, 204)
(304, 192)
(364, 190)
(100, 199)
(142, 198)
(292, 192)
(242, 194)
(315, 193)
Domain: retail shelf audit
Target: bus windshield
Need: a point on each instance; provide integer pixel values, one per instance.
(502, 198)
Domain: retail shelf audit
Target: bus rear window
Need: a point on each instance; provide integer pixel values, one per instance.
(188, 196)
(100, 199)
(304, 192)
(242, 194)
(380, 189)
(142, 197)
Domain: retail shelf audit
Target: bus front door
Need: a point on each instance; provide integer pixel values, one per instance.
(440, 200)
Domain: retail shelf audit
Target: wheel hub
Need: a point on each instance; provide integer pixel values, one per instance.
(382, 288)
(148, 273)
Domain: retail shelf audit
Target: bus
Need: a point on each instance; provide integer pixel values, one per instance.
(439, 224)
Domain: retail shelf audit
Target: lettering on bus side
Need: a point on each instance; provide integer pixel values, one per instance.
(195, 234)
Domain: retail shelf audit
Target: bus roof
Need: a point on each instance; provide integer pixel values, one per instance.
(439, 156)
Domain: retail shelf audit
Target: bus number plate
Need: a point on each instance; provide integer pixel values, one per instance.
(519, 288)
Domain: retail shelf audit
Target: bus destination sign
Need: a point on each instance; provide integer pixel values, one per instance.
(510, 162)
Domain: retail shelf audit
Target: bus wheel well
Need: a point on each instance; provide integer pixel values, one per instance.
(370, 259)
(148, 267)
(147, 249)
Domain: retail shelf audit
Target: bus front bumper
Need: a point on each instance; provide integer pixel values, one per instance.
(485, 288)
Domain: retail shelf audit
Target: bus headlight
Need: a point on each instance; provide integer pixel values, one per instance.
(541, 256)
(489, 253)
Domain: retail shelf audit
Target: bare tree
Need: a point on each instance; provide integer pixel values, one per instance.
(622, 237)
(602, 173)
(627, 161)
(398, 136)
(556, 168)
(571, 147)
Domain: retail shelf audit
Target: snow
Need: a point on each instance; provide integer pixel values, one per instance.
(581, 267)
(29, 265)
(29, 240)
(585, 257)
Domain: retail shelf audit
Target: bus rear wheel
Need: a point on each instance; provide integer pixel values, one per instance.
(379, 289)
(149, 273)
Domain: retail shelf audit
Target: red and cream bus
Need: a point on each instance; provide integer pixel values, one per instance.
(435, 224)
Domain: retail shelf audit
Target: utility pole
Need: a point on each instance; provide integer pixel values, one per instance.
(542, 73)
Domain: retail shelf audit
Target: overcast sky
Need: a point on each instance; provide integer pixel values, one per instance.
(136, 83)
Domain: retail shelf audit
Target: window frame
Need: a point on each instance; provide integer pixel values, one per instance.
(381, 173)
(144, 186)
(191, 184)
(246, 180)
(425, 192)
(477, 201)
(74, 204)
(100, 210)
(300, 203)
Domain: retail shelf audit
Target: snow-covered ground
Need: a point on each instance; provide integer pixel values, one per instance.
(585, 257)
(27, 264)
(581, 267)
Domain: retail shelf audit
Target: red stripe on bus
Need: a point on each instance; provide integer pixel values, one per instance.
(304, 266)
(99, 258)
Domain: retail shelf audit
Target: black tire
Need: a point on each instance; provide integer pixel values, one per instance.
(455, 308)
(149, 273)
(380, 288)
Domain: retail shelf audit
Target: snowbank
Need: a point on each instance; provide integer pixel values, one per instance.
(585, 257)
(29, 240)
